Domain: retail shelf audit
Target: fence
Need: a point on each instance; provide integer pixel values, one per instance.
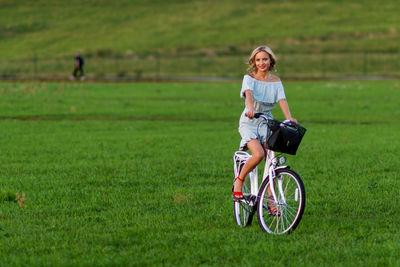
(290, 66)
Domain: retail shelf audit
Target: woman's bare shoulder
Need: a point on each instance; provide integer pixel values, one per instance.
(274, 78)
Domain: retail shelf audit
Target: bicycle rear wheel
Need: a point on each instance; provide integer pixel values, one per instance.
(243, 209)
(285, 215)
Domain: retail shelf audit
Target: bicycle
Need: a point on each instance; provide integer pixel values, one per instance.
(281, 198)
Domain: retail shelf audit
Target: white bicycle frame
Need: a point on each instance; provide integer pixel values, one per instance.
(271, 163)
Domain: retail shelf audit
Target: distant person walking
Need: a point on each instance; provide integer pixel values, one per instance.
(78, 68)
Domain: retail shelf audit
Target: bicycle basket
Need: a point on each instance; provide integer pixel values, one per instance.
(285, 138)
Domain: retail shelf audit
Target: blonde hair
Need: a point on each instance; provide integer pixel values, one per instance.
(252, 64)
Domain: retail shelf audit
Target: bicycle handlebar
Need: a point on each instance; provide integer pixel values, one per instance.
(286, 122)
(257, 115)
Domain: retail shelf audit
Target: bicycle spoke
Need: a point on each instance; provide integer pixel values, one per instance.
(291, 211)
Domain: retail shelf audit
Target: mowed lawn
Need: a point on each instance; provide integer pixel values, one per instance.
(140, 174)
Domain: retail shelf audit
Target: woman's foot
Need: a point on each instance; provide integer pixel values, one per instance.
(272, 208)
(237, 188)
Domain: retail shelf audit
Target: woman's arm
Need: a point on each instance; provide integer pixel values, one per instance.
(249, 103)
(285, 110)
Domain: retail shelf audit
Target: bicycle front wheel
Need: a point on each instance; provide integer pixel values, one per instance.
(243, 209)
(281, 216)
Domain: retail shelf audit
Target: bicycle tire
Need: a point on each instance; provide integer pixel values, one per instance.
(243, 209)
(290, 207)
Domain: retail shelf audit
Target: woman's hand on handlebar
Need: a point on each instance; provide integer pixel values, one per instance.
(290, 121)
(250, 113)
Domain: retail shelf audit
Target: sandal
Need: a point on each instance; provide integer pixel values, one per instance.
(272, 209)
(237, 195)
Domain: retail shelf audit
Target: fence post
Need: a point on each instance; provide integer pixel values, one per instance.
(116, 66)
(323, 65)
(365, 67)
(242, 70)
(158, 65)
(35, 66)
(281, 68)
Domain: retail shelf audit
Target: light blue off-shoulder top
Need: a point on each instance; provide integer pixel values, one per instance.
(267, 93)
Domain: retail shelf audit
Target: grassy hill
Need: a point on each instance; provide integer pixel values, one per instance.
(57, 29)
(47, 28)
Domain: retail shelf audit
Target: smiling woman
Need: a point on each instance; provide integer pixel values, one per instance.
(261, 90)
(262, 57)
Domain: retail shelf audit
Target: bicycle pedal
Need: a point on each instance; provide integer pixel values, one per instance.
(247, 199)
(252, 201)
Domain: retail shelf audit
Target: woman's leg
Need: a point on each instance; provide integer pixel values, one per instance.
(273, 209)
(257, 154)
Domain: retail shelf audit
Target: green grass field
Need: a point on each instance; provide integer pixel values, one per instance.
(139, 174)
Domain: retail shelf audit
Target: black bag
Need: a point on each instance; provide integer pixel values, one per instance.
(285, 137)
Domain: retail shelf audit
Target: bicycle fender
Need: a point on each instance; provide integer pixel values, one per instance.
(282, 167)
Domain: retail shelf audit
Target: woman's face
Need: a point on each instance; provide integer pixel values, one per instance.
(262, 61)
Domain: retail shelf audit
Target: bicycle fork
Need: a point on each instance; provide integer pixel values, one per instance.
(272, 185)
(271, 164)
